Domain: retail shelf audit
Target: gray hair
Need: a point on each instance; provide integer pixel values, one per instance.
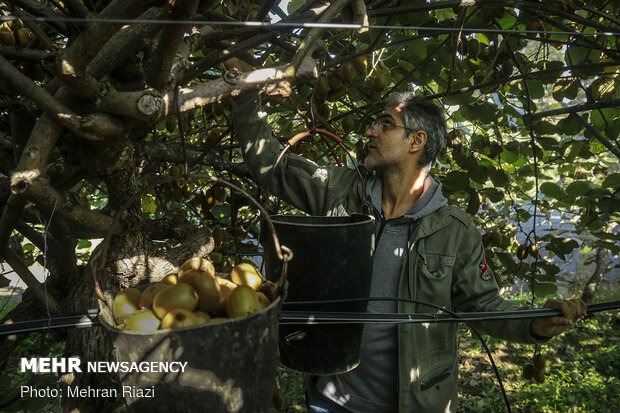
(420, 113)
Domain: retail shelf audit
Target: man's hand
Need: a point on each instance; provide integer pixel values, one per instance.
(552, 326)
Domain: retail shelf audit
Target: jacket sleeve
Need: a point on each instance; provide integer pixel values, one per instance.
(296, 180)
(474, 289)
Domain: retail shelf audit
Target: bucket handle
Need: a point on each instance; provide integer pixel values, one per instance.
(283, 252)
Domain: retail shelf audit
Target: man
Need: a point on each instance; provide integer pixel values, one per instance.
(425, 250)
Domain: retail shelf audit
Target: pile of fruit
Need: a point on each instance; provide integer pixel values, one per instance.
(195, 295)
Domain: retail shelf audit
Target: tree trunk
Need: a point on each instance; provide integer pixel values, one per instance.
(599, 271)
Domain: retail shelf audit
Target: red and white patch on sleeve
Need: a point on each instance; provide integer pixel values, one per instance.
(485, 272)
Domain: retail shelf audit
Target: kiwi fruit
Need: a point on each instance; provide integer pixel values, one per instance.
(125, 304)
(206, 287)
(171, 125)
(347, 71)
(323, 86)
(202, 317)
(528, 372)
(180, 296)
(539, 377)
(241, 301)
(473, 48)
(197, 264)
(170, 279)
(347, 123)
(496, 238)
(522, 251)
(263, 300)
(144, 320)
(486, 240)
(539, 362)
(533, 250)
(179, 317)
(360, 63)
(375, 95)
(379, 82)
(246, 273)
(147, 296)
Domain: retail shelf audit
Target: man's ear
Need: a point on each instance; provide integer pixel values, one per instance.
(417, 140)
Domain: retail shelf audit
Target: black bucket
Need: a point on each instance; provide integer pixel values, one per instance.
(231, 365)
(332, 261)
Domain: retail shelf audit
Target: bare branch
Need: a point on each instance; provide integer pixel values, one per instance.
(602, 139)
(20, 53)
(169, 41)
(126, 43)
(310, 42)
(10, 215)
(48, 199)
(93, 127)
(151, 106)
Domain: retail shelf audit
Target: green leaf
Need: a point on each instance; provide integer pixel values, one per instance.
(575, 150)
(474, 203)
(607, 205)
(84, 243)
(536, 88)
(564, 245)
(457, 181)
(293, 5)
(552, 190)
(508, 261)
(578, 188)
(508, 21)
(565, 88)
(545, 289)
(612, 181)
(570, 126)
(494, 195)
(498, 178)
(416, 50)
(615, 248)
(545, 128)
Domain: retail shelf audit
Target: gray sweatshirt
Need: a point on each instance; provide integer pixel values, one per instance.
(372, 386)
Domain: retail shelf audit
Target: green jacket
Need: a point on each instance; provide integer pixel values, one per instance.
(444, 265)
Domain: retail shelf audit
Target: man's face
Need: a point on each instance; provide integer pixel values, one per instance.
(387, 147)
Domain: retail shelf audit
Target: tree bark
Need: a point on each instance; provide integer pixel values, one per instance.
(598, 274)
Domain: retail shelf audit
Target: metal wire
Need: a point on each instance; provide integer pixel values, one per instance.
(292, 25)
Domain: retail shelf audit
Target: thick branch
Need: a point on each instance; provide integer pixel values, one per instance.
(81, 52)
(30, 280)
(151, 106)
(597, 275)
(30, 55)
(310, 42)
(48, 199)
(126, 43)
(10, 215)
(169, 41)
(49, 104)
(39, 9)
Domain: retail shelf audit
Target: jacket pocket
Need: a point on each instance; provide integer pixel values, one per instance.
(436, 266)
(436, 375)
(438, 392)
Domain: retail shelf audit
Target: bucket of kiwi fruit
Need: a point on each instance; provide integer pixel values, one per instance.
(209, 340)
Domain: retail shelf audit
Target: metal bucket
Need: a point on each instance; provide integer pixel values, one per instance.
(333, 261)
(231, 365)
